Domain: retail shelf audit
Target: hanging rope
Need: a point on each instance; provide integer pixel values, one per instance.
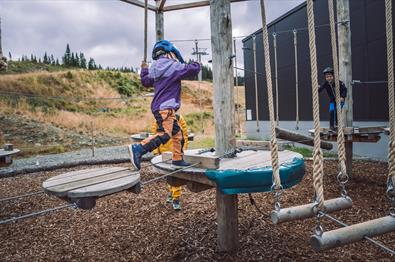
(318, 164)
(296, 78)
(145, 29)
(273, 139)
(276, 75)
(256, 84)
(391, 103)
(342, 177)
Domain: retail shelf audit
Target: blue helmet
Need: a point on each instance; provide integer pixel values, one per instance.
(163, 47)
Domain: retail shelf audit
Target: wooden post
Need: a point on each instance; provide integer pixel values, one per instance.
(345, 69)
(223, 103)
(1, 50)
(160, 32)
(227, 231)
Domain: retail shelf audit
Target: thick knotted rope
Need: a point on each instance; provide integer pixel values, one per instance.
(273, 140)
(391, 103)
(340, 123)
(318, 164)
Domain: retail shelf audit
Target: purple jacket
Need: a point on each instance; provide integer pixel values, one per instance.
(165, 75)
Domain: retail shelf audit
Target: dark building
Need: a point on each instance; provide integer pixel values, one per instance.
(368, 60)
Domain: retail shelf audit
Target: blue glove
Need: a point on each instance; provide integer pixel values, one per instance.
(341, 104)
(331, 107)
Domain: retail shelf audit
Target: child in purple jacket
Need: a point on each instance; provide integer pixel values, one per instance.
(165, 75)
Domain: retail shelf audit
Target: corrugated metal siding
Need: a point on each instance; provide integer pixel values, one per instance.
(368, 55)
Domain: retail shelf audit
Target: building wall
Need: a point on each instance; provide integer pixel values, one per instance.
(368, 58)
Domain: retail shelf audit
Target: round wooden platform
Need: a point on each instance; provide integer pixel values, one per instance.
(6, 156)
(243, 161)
(90, 184)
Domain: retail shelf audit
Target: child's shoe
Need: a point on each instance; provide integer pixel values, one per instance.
(136, 151)
(169, 198)
(176, 204)
(180, 164)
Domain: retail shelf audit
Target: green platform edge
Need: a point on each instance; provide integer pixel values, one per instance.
(233, 181)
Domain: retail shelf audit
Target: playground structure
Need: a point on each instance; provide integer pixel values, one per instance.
(6, 155)
(207, 165)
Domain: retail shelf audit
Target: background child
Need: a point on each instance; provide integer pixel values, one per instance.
(329, 86)
(165, 75)
(175, 191)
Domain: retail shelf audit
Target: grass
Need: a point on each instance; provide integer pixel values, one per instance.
(194, 120)
(41, 150)
(202, 142)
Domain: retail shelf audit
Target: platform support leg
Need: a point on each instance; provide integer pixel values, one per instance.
(227, 220)
(349, 153)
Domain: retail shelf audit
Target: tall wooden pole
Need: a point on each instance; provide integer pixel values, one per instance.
(159, 28)
(345, 69)
(223, 103)
(145, 30)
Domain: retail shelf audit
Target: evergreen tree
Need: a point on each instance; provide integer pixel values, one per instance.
(52, 60)
(45, 59)
(77, 61)
(57, 62)
(32, 58)
(67, 56)
(82, 61)
(10, 56)
(39, 60)
(91, 64)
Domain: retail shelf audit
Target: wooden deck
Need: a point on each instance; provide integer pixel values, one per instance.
(84, 186)
(354, 134)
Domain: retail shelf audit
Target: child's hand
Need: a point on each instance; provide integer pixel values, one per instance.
(144, 64)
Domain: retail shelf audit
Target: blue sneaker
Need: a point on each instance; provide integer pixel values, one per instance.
(169, 198)
(179, 164)
(176, 205)
(136, 151)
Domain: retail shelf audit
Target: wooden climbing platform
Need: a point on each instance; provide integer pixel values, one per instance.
(85, 186)
(195, 177)
(354, 134)
(6, 155)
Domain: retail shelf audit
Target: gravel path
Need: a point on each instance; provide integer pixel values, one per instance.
(105, 155)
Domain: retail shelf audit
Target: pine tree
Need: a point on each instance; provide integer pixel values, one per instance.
(77, 61)
(32, 58)
(45, 59)
(39, 60)
(82, 61)
(57, 62)
(67, 56)
(91, 64)
(35, 59)
(10, 56)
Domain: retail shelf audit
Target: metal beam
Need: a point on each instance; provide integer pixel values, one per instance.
(140, 4)
(192, 5)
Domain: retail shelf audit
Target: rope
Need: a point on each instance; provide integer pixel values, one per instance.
(340, 131)
(256, 84)
(237, 89)
(73, 205)
(391, 102)
(276, 75)
(296, 78)
(145, 29)
(318, 165)
(21, 196)
(273, 139)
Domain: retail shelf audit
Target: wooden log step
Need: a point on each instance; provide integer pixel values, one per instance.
(300, 138)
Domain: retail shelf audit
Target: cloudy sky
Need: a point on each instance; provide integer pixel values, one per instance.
(111, 31)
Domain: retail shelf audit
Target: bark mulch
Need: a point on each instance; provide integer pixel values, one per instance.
(128, 227)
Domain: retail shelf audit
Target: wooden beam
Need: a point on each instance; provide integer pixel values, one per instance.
(140, 4)
(353, 233)
(300, 138)
(161, 5)
(306, 211)
(192, 5)
(207, 162)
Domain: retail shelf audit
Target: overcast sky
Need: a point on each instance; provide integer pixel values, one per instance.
(111, 31)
